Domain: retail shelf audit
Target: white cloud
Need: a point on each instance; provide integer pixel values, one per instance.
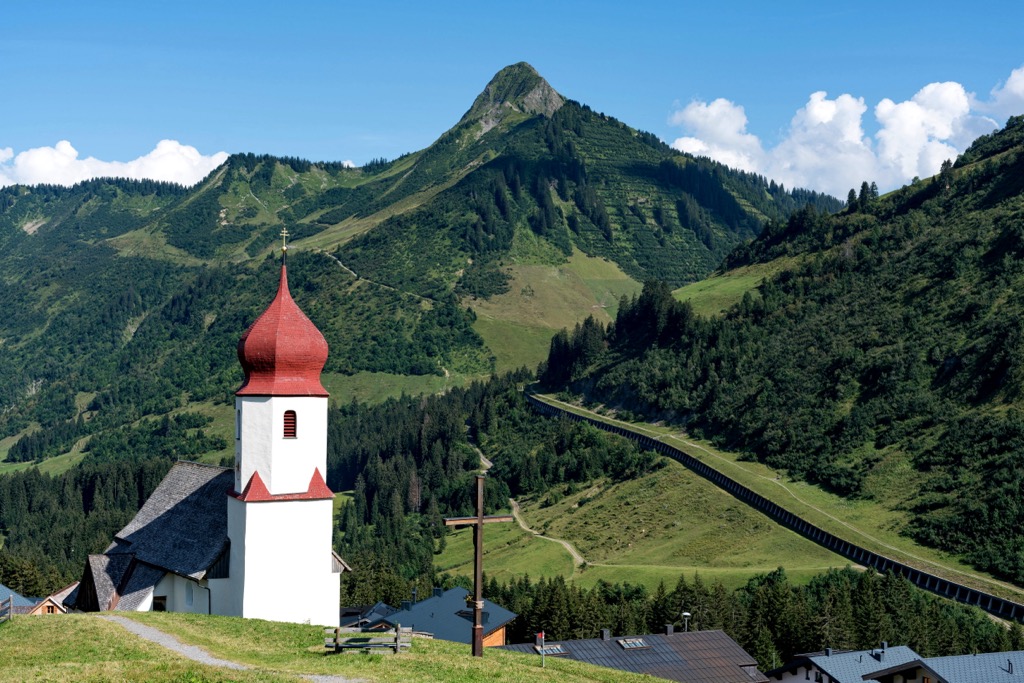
(59, 165)
(721, 133)
(826, 148)
(1007, 98)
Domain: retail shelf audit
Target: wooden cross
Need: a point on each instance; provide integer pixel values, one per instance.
(477, 523)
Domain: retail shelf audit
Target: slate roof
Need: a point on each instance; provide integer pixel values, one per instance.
(448, 618)
(107, 572)
(850, 666)
(183, 526)
(19, 600)
(694, 656)
(993, 667)
(366, 614)
(138, 587)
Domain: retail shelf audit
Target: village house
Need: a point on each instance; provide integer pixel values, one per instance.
(445, 614)
(690, 657)
(901, 665)
(842, 666)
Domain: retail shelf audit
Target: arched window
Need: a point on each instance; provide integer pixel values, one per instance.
(289, 424)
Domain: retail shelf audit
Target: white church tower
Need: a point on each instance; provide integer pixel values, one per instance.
(280, 514)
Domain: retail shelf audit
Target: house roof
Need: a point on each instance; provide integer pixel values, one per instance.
(694, 656)
(850, 666)
(183, 526)
(448, 618)
(283, 352)
(993, 667)
(366, 614)
(19, 600)
(64, 593)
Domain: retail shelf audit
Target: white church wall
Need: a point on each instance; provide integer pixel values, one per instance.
(284, 464)
(288, 563)
(182, 595)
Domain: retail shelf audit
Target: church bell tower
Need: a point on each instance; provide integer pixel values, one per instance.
(280, 513)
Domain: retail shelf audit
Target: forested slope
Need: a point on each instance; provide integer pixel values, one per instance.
(123, 300)
(887, 363)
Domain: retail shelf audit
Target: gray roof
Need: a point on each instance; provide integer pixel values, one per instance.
(694, 657)
(107, 571)
(19, 600)
(850, 666)
(183, 526)
(993, 667)
(448, 618)
(139, 586)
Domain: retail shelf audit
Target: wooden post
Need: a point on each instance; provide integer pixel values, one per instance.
(477, 523)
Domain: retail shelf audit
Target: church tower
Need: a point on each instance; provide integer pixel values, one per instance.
(280, 513)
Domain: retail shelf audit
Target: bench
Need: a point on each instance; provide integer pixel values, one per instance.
(357, 639)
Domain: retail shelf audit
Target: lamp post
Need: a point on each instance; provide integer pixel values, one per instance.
(686, 621)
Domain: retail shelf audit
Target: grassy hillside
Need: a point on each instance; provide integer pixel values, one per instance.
(87, 648)
(517, 326)
(644, 531)
(880, 360)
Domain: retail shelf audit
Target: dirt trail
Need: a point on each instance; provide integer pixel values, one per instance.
(577, 559)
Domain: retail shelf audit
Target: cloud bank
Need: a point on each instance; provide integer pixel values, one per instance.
(59, 165)
(826, 148)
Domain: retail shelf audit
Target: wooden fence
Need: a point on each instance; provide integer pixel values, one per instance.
(355, 639)
(6, 608)
(1000, 607)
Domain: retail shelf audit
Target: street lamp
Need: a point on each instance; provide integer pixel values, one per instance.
(686, 621)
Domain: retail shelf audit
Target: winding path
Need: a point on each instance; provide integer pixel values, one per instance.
(578, 560)
(373, 282)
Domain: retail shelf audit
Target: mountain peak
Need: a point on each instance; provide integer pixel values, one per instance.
(517, 87)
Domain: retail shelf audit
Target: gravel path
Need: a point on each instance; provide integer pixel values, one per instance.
(197, 654)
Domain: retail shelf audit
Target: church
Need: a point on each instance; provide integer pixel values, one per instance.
(254, 541)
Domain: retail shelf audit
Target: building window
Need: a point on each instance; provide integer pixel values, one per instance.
(238, 424)
(289, 424)
(50, 609)
(159, 603)
(189, 595)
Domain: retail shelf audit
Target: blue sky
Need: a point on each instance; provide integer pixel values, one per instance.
(354, 81)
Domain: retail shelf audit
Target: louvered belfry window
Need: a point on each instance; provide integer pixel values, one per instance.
(289, 424)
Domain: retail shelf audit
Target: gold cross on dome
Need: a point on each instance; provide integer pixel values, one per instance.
(284, 238)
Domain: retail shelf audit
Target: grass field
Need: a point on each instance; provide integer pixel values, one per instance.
(644, 531)
(868, 523)
(517, 326)
(717, 293)
(375, 387)
(87, 648)
(509, 552)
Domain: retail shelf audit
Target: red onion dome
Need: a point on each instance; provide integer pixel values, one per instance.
(282, 353)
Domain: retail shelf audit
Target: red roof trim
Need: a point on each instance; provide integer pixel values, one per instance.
(256, 491)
